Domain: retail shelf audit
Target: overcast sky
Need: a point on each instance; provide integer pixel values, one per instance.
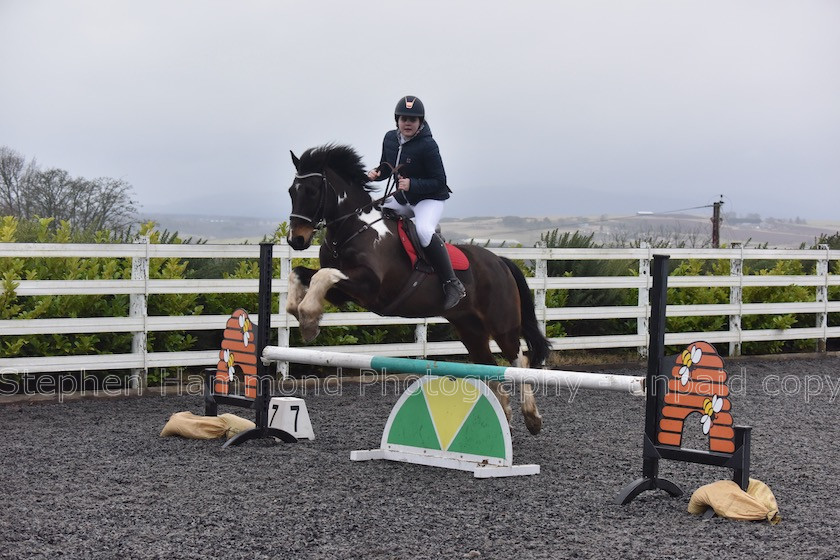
(541, 108)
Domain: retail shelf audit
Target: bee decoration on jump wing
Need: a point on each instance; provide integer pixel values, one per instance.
(710, 408)
(689, 358)
(229, 360)
(245, 327)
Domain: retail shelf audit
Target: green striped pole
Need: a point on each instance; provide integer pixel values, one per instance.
(571, 379)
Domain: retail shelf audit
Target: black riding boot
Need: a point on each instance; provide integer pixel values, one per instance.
(453, 289)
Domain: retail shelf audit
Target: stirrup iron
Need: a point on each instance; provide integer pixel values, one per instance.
(453, 293)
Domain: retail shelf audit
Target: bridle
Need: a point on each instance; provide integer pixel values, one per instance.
(318, 221)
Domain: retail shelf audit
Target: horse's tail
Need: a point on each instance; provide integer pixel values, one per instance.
(538, 344)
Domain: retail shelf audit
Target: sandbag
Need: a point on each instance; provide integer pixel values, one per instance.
(730, 501)
(236, 424)
(192, 426)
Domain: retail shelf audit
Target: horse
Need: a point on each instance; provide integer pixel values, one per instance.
(362, 260)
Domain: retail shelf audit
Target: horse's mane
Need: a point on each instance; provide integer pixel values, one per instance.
(342, 159)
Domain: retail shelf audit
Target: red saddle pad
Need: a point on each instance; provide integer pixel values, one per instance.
(456, 255)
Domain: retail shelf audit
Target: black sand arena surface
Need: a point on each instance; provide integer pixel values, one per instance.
(92, 479)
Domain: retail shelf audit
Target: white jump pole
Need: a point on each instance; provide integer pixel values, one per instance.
(570, 379)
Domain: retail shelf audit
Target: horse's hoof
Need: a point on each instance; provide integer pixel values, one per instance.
(309, 327)
(308, 334)
(534, 424)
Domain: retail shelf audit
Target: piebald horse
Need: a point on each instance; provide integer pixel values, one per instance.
(362, 260)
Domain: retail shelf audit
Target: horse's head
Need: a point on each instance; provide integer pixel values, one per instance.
(309, 197)
(329, 182)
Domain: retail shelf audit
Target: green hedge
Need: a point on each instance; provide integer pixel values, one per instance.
(45, 230)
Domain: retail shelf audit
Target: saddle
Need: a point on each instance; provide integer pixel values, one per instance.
(421, 269)
(411, 244)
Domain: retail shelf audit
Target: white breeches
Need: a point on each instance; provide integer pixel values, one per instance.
(426, 214)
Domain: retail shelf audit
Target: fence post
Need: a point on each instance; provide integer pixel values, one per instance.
(541, 273)
(138, 307)
(421, 336)
(736, 268)
(642, 322)
(284, 330)
(822, 297)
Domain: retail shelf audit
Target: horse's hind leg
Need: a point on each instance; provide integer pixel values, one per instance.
(533, 418)
(503, 397)
(509, 344)
(475, 337)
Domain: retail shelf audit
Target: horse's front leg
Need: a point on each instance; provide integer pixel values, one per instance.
(299, 281)
(310, 308)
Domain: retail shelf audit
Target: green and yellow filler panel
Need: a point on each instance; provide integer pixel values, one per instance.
(449, 423)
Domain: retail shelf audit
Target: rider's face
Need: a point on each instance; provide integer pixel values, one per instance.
(408, 125)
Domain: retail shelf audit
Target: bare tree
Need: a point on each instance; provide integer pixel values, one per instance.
(88, 204)
(15, 176)
(49, 195)
(104, 202)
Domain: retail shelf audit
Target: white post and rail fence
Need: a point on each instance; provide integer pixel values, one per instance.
(139, 361)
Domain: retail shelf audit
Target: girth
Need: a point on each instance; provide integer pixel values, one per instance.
(422, 269)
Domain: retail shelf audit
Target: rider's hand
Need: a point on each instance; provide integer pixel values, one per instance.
(373, 174)
(404, 184)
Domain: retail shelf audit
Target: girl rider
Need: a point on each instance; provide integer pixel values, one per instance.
(421, 187)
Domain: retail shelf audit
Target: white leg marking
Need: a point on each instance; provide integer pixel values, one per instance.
(311, 308)
(533, 419)
(521, 360)
(296, 293)
(503, 397)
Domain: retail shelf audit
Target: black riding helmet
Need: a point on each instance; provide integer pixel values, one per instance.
(410, 106)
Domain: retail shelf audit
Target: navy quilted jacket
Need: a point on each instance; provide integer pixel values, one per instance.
(421, 161)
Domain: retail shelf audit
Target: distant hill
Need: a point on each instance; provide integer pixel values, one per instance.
(693, 230)
(215, 229)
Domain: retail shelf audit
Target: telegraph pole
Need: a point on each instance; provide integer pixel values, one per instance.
(716, 223)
